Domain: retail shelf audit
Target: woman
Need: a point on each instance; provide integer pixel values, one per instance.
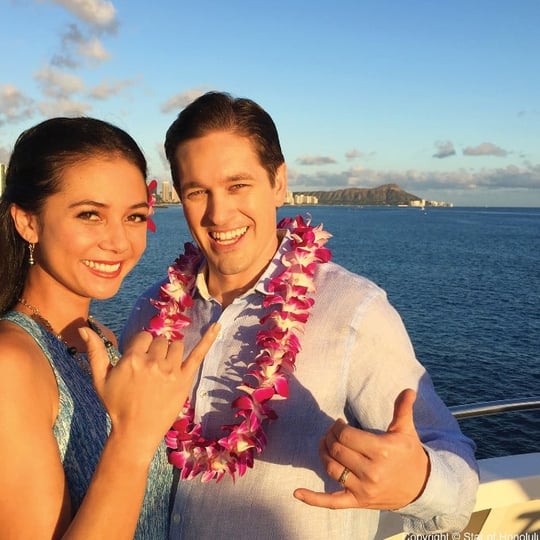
(73, 221)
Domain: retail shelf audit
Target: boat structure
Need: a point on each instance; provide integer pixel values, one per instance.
(508, 500)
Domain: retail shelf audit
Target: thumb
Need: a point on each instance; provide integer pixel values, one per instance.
(403, 420)
(97, 355)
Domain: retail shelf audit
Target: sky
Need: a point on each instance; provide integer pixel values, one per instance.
(441, 98)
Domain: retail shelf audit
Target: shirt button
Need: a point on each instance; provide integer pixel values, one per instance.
(176, 518)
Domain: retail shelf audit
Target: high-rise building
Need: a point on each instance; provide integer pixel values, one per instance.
(2, 177)
(165, 192)
(168, 193)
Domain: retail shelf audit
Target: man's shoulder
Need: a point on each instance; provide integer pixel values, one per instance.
(333, 274)
(345, 292)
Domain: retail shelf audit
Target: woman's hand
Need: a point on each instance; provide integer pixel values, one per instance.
(146, 390)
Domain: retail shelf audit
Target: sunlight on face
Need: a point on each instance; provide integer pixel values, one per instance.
(230, 205)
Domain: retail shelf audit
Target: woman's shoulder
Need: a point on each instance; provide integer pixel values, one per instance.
(24, 370)
(17, 346)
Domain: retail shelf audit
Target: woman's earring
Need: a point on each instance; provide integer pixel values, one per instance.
(31, 254)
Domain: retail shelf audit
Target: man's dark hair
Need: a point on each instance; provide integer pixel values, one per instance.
(219, 111)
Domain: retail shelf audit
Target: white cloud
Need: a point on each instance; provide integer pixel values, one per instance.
(63, 107)
(93, 49)
(162, 157)
(177, 102)
(444, 149)
(97, 13)
(58, 84)
(106, 89)
(511, 177)
(315, 160)
(14, 105)
(4, 155)
(76, 44)
(353, 154)
(485, 149)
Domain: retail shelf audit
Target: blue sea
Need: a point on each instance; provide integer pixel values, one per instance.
(466, 282)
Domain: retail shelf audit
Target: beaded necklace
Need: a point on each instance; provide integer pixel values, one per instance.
(81, 359)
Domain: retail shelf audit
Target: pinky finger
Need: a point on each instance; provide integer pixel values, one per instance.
(335, 501)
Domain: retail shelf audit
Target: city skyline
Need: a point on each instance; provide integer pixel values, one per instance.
(441, 99)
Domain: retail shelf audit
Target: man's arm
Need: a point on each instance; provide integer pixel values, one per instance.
(412, 460)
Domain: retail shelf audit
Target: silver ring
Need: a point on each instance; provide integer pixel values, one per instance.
(343, 478)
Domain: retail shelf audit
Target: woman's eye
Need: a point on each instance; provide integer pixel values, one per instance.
(138, 218)
(90, 215)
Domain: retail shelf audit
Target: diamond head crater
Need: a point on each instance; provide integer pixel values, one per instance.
(386, 195)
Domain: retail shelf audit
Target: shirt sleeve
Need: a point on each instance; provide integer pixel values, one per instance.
(387, 365)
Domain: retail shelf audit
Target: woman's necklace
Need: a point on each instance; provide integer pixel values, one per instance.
(279, 342)
(81, 359)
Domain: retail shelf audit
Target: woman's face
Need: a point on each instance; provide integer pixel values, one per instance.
(93, 231)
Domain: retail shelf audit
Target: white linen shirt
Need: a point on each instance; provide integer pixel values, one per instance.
(356, 358)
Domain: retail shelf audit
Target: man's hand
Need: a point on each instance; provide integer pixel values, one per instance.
(386, 471)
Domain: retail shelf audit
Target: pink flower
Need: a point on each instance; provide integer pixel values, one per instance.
(178, 289)
(169, 327)
(151, 202)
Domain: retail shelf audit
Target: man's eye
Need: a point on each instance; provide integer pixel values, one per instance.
(238, 186)
(195, 193)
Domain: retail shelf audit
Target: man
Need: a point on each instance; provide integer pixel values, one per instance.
(349, 357)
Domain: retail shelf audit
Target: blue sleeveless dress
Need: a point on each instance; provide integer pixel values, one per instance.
(82, 427)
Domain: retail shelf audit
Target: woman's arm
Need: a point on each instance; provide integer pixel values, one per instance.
(34, 499)
(142, 394)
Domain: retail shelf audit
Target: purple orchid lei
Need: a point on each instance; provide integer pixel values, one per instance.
(290, 293)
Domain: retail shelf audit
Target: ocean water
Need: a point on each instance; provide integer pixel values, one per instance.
(466, 282)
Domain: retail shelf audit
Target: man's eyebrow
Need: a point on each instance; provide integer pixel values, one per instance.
(239, 176)
(191, 184)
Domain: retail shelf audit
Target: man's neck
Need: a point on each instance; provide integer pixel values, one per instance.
(225, 290)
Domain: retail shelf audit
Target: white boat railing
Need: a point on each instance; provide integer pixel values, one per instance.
(495, 407)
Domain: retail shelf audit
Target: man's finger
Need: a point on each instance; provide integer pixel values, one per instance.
(335, 500)
(341, 437)
(196, 356)
(403, 419)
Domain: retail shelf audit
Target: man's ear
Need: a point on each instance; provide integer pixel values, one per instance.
(280, 184)
(26, 223)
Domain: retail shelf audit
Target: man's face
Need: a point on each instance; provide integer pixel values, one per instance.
(230, 206)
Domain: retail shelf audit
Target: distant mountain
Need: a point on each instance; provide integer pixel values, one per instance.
(389, 194)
